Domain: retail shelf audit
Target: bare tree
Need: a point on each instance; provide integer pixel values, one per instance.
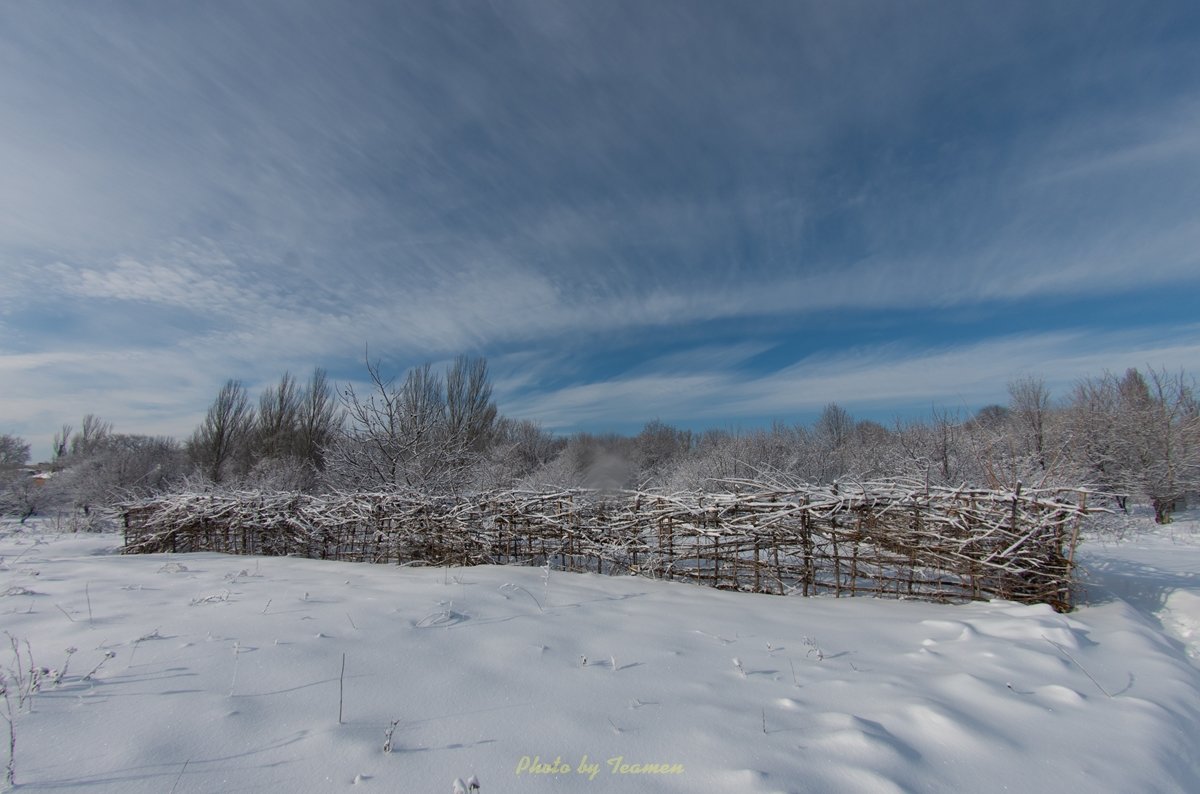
(220, 447)
(92, 433)
(277, 424)
(62, 447)
(120, 466)
(658, 448)
(320, 420)
(422, 425)
(1029, 404)
(871, 451)
(1164, 426)
(470, 411)
(16, 488)
(834, 426)
(1098, 446)
(518, 449)
(294, 426)
(14, 451)
(425, 434)
(833, 431)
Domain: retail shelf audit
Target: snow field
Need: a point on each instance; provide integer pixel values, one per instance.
(227, 672)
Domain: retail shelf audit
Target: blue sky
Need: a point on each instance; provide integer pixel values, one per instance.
(714, 214)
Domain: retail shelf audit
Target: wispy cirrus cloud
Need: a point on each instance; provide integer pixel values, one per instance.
(630, 192)
(878, 381)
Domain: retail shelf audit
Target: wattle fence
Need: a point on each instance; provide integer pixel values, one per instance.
(888, 538)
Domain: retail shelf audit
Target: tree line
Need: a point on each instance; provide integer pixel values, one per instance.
(1131, 436)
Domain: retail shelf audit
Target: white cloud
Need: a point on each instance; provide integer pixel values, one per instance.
(871, 378)
(254, 192)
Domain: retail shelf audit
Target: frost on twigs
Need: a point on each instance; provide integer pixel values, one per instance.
(897, 537)
(210, 599)
(107, 655)
(61, 673)
(387, 736)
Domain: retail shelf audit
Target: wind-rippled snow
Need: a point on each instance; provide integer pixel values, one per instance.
(227, 672)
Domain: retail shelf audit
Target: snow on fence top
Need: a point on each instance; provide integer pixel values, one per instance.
(886, 538)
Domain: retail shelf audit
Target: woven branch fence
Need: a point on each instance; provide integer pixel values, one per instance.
(879, 538)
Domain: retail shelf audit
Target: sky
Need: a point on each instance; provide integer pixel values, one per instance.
(711, 214)
(239, 674)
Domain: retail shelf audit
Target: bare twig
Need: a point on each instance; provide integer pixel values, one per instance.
(180, 776)
(1064, 652)
(341, 688)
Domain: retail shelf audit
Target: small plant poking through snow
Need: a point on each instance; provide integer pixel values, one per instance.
(8, 714)
(60, 674)
(738, 664)
(510, 587)
(212, 599)
(107, 655)
(17, 687)
(237, 652)
(154, 635)
(25, 678)
(387, 736)
(814, 649)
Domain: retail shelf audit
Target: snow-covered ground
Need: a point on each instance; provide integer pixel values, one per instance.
(224, 674)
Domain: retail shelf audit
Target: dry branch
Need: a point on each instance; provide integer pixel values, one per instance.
(889, 537)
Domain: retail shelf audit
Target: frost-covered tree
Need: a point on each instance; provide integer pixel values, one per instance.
(872, 450)
(1138, 435)
(119, 466)
(1029, 406)
(519, 449)
(20, 494)
(1027, 443)
(427, 433)
(658, 448)
(1098, 443)
(1161, 423)
(833, 433)
(600, 461)
(14, 483)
